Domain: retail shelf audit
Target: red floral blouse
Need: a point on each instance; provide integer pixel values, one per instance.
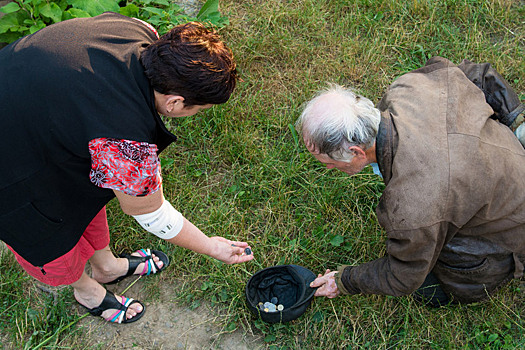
(128, 166)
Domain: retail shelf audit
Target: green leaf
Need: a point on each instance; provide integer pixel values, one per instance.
(493, 337)
(52, 11)
(378, 16)
(9, 37)
(166, 162)
(348, 246)
(62, 4)
(20, 29)
(155, 21)
(4, 28)
(337, 240)
(318, 316)
(206, 285)
(174, 9)
(294, 134)
(269, 338)
(33, 315)
(223, 294)
(195, 304)
(130, 10)
(161, 2)
(9, 20)
(209, 13)
(36, 27)
(95, 7)
(231, 327)
(77, 13)
(35, 3)
(155, 10)
(10, 8)
(209, 7)
(212, 17)
(12, 28)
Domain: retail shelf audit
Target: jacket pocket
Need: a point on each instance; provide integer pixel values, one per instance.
(474, 280)
(27, 227)
(470, 268)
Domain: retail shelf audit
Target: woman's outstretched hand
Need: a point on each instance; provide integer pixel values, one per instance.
(231, 252)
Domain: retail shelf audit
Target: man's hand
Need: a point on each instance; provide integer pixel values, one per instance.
(231, 252)
(327, 286)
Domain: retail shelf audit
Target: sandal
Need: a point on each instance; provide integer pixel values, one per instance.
(150, 266)
(111, 302)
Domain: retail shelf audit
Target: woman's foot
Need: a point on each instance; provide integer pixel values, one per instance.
(100, 302)
(114, 270)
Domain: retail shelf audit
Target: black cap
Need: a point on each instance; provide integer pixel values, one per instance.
(290, 284)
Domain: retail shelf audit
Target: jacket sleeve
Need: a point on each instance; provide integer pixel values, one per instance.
(410, 257)
(498, 92)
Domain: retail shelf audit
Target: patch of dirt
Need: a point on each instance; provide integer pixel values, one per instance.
(165, 325)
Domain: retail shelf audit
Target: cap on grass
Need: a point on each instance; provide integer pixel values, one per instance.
(290, 284)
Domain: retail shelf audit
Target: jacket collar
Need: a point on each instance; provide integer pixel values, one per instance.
(386, 145)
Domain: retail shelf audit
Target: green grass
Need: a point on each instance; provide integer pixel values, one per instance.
(238, 171)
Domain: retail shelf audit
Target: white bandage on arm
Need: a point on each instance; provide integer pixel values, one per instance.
(165, 222)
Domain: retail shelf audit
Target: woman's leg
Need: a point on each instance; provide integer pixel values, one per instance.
(90, 294)
(105, 267)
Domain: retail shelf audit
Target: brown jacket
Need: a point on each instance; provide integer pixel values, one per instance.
(455, 185)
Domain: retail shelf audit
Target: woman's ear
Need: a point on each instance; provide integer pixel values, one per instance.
(174, 103)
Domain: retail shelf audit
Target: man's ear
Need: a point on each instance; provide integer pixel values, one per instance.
(357, 151)
(174, 103)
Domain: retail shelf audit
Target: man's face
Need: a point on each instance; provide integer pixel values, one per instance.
(351, 167)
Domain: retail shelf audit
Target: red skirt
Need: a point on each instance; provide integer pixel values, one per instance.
(68, 268)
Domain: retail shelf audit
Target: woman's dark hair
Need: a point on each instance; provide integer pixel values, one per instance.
(191, 61)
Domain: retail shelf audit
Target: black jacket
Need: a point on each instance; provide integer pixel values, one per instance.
(61, 87)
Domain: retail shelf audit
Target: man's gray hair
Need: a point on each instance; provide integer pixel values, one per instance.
(336, 119)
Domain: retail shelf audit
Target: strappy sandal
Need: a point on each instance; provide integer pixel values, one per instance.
(111, 302)
(149, 268)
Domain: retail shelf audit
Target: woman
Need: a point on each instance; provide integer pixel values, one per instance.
(79, 106)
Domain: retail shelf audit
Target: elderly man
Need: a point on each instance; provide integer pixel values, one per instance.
(454, 173)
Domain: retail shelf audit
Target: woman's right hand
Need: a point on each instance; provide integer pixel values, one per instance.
(230, 252)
